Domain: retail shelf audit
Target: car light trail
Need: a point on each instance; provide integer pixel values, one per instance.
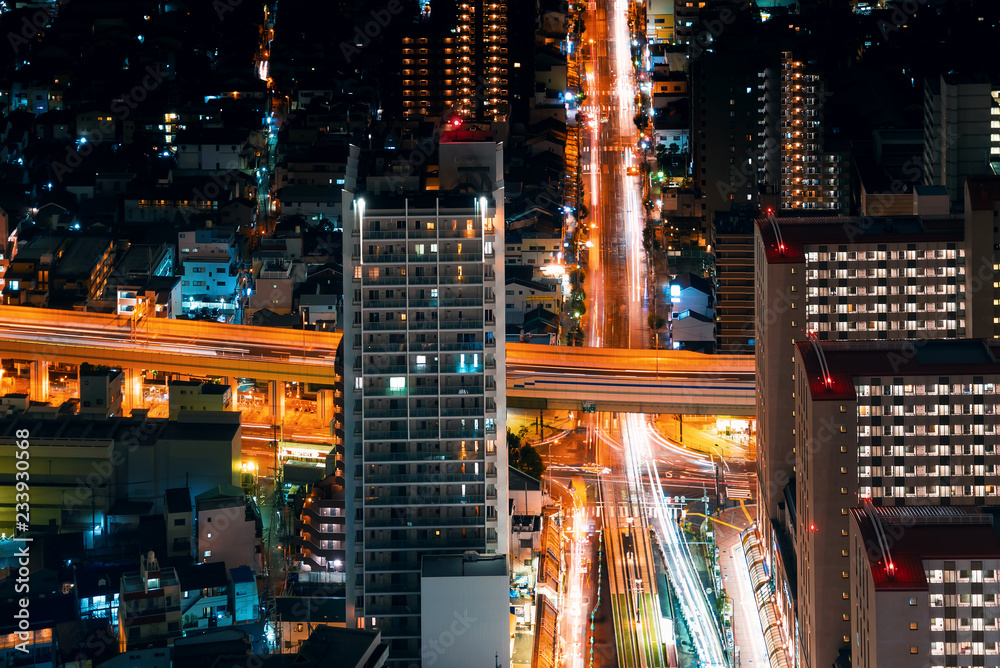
(699, 618)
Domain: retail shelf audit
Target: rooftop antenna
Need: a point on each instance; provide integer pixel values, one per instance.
(880, 535)
(821, 355)
(777, 230)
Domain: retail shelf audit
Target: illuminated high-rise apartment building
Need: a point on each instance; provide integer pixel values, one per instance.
(461, 68)
(424, 405)
(801, 167)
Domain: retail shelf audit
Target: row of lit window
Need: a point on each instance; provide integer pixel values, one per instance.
(895, 307)
(867, 431)
(931, 449)
(932, 470)
(933, 389)
(964, 648)
(875, 290)
(840, 256)
(934, 409)
(929, 491)
(882, 325)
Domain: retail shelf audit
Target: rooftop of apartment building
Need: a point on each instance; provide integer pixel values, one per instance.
(135, 582)
(470, 564)
(843, 361)
(223, 496)
(178, 500)
(948, 532)
(328, 646)
(81, 256)
(798, 232)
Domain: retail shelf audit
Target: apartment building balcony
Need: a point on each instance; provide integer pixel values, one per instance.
(407, 499)
(382, 326)
(313, 549)
(460, 257)
(423, 478)
(461, 324)
(319, 523)
(463, 433)
(382, 280)
(432, 522)
(422, 303)
(388, 566)
(415, 456)
(460, 280)
(447, 411)
(385, 413)
(371, 368)
(392, 610)
(385, 234)
(393, 588)
(438, 543)
(384, 303)
(461, 389)
(386, 434)
(447, 346)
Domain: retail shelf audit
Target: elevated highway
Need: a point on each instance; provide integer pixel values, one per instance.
(638, 381)
(538, 377)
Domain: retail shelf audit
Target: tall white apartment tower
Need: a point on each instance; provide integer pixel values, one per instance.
(424, 379)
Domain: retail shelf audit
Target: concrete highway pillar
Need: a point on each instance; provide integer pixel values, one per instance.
(39, 381)
(132, 391)
(276, 400)
(234, 384)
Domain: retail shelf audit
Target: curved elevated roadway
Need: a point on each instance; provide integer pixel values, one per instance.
(537, 376)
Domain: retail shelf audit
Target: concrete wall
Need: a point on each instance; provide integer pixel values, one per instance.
(465, 621)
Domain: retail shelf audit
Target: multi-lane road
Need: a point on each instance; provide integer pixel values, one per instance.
(616, 281)
(645, 468)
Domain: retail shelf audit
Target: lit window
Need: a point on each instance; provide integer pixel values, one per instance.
(207, 554)
(397, 382)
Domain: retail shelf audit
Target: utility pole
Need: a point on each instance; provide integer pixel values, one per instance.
(718, 497)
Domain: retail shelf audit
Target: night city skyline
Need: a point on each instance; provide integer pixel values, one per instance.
(501, 333)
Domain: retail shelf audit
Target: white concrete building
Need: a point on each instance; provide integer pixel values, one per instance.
(423, 347)
(465, 611)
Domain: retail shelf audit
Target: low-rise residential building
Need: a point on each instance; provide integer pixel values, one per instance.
(149, 608)
(244, 602)
(204, 596)
(229, 528)
(193, 395)
(210, 271)
(178, 516)
(463, 591)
